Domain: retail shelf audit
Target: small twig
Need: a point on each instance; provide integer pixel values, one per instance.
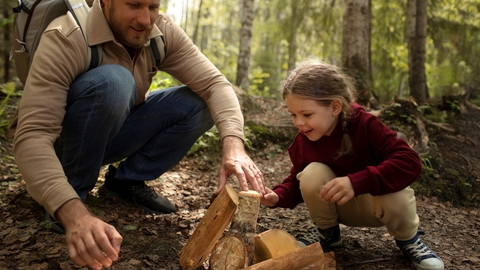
(468, 162)
(471, 141)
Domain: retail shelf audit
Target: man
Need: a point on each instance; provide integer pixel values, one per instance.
(71, 122)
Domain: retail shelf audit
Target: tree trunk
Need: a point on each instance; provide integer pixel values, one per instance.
(197, 23)
(295, 20)
(247, 14)
(185, 16)
(206, 32)
(416, 39)
(356, 48)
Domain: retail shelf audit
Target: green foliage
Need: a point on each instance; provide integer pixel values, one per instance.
(207, 144)
(257, 87)
(426, 164)
(6, 21)
(438, 180)
(47, 224)
(454, 58)
(454, 105)
(95, 211)
(437, 116)
(452, 51)
(389, 51)
(409, 119)
(5, 108)
(219, 30)
(163, 80)
(248, 138)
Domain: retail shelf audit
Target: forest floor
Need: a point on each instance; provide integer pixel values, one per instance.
(154, 241)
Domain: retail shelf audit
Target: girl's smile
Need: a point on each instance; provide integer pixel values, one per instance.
(311, 118)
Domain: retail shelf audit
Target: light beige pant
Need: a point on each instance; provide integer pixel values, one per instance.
(397, 211)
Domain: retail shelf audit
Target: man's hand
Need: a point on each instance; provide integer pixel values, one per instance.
(236, 161)
(339, 190)
(90, 241)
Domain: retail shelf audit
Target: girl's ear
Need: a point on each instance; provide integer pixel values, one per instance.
(336, 107)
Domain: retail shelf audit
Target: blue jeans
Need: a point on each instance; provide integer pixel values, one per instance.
(102, 125)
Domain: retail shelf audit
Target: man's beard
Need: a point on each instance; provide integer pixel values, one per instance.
(120, 32)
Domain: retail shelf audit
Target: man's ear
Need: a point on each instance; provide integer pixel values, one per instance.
(336, 107)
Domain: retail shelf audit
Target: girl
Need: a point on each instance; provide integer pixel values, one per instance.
(348, 167)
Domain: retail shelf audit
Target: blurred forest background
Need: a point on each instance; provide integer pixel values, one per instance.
(385, 45)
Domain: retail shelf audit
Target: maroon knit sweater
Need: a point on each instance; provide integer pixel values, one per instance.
(380, 164)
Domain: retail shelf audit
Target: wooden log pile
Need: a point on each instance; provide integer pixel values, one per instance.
(240, 247)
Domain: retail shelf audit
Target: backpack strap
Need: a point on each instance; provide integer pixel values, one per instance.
(79, 10)
(158, 49)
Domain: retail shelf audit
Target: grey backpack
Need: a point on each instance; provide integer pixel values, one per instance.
(32, 18)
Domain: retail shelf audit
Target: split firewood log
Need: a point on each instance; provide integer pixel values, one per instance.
(243, 227)
(217, 218)
(274, 243)
(229, 253)
(244, 222)
(310, 257)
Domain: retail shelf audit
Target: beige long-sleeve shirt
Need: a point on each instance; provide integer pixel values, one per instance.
(62, 56)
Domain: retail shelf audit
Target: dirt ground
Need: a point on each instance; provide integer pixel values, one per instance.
(154, 241)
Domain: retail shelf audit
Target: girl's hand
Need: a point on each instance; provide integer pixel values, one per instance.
(339, 190)
(270, 198)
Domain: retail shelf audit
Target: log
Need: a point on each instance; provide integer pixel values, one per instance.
(243, 227)
(329, 262)
(228, 254)
(274, 243)
(244, 222)
(217, 218)
(309, 257)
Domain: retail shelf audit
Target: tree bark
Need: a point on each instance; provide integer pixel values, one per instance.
(197, 23)
(299, 12)
(247, 14)
(206, 31)
(416, 39)
(356, 55)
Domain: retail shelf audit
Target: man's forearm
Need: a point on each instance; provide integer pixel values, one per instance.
(232, 144)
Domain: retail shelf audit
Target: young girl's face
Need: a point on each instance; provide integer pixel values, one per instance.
(311, 118)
